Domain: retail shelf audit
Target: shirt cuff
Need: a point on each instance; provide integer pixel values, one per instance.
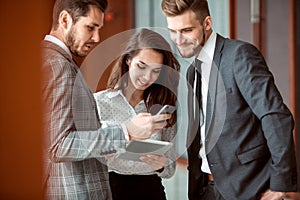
(125, 132)
(160, 170)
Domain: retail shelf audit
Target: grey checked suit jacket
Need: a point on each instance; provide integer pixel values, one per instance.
(74, 142)
(249, 130)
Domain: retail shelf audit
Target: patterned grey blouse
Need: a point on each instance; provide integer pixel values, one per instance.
(114, 109)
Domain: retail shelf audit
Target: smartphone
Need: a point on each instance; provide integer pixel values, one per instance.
(166, 109)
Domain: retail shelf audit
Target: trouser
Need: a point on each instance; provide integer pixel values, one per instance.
(211, 192)
(136, 187)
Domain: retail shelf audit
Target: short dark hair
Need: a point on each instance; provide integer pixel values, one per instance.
(76, 8)
(178, 7)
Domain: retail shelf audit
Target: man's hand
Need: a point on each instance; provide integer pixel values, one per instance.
(272, 195)
(155, 161)
(144, 125)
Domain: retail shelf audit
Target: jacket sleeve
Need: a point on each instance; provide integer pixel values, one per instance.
(73, 133)
(256, 84)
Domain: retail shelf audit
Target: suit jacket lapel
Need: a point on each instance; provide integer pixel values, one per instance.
(213, 81)
(79, 80)
(51, 45)
(213, 87)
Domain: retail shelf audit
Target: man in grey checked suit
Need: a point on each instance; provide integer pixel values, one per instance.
(75, 144)
(242, 147)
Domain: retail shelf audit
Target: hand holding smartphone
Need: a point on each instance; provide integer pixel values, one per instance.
(166, 109)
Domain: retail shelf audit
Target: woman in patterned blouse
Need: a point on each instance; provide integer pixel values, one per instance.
(144, 79)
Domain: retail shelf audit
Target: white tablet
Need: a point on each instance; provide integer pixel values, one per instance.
(137, 148)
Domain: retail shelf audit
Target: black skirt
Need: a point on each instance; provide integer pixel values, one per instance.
(136, 187)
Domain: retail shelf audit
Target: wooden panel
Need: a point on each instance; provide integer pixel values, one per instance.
(292, 59)
(23, 26)
(118, 18)
(293, 78)
(232, 19)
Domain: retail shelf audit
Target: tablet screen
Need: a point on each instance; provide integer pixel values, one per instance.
(137, 148)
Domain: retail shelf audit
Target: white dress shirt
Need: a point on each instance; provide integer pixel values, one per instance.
(206, 56)
(57, 41)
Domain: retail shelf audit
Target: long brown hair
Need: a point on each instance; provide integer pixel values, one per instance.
(164, 90)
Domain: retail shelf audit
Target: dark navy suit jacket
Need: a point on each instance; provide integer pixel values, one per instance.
(249, 129)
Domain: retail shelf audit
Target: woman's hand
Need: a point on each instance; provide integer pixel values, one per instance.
(144, 125)
(157, 162)
(272, 195)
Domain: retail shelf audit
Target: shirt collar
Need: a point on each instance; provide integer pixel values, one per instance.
(57, 41)
(114, 93)
(118, 92)
(207, 52)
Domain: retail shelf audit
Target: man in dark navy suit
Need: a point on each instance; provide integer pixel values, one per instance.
(240, 142)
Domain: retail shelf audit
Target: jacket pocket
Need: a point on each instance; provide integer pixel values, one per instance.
(253, 154)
